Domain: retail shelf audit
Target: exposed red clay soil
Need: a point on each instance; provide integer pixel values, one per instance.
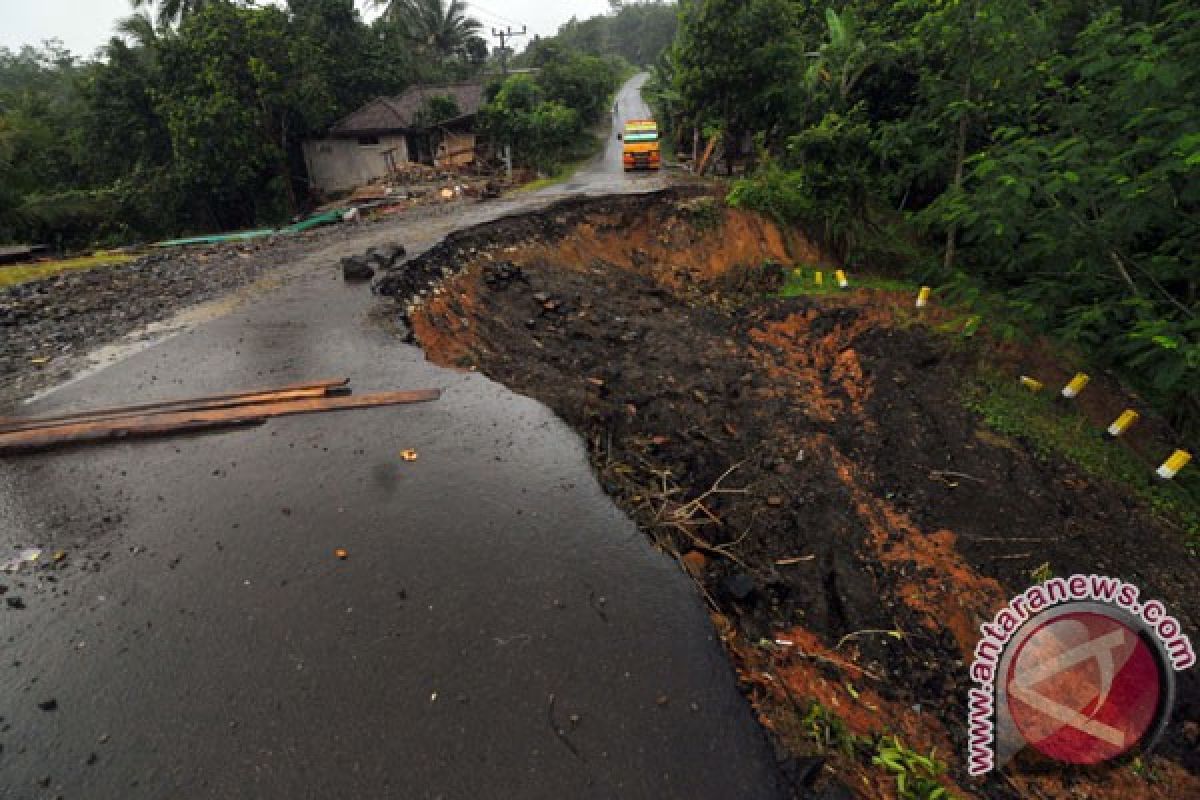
(810, 463)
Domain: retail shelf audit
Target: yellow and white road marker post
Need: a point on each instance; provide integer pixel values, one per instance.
(1072, 389)
(1032, 384)
(1170, 468)
(923, 296)
(1122, 423)
(842, 282)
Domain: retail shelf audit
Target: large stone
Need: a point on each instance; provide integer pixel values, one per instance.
(356, 268)
(392, 253)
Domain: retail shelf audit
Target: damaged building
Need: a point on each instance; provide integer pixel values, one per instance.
(381, 137)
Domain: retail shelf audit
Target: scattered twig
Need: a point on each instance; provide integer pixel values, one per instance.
(1003, 540)
(787, 562)
(594, 602)
(942, 474)
(1012, 557)
(895, 634)
(559, 732)
(837, 662)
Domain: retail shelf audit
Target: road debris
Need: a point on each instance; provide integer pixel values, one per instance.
(341, 554)
(25, 558)
(409, 455)
(375, 259)
(293, 391)
(180, 417)
(559, 732)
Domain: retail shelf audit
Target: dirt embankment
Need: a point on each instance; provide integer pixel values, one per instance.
(809, 461)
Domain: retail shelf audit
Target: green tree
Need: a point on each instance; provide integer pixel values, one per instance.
(172, 12)
(739, 66)
(439, 29)
(577, 81)
(541, 131)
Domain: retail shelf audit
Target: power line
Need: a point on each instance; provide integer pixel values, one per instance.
(490, 13)
(487, 21)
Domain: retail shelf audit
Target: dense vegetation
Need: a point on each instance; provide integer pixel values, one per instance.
(191, 118)
(545, 116)
(1042, 152)
(638, 33)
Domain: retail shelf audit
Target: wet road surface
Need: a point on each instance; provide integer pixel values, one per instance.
(499, 630)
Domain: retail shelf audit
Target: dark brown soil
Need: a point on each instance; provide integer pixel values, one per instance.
(809, 461)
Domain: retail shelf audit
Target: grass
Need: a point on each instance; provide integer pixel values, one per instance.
(14, 275)
(801, 281)
(565, 172)
(916, 775)
(827, 730)
(1052, 429)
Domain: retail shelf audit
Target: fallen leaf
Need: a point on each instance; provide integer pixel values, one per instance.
(408, 455)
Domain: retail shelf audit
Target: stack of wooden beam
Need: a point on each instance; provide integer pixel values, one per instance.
(196, 414)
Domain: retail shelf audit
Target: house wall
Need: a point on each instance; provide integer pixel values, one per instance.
(341, 164)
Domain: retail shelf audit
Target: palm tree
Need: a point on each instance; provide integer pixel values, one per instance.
(139, 28)
(173, 11)
(843, 59)
(438, 28)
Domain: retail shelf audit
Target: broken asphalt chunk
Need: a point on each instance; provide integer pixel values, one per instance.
(738, 586)
(356, 269)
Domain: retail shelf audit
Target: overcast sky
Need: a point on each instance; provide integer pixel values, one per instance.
(84, 25)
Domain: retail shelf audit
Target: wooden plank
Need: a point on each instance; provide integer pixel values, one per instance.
(168, 422)
(287, 392)
(708, 151)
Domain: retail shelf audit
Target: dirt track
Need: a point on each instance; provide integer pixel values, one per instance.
(809, 460)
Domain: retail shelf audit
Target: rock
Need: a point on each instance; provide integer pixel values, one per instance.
(502, 274)
(738, 586)
(392, 253)
(15, 603)
(356, 268)
(48, 705)
(694, 562)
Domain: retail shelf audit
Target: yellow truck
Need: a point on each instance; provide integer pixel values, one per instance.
(641, 150)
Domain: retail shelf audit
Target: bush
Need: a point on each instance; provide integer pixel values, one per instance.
(543, 132)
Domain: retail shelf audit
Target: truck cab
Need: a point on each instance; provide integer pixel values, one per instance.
(641, 147)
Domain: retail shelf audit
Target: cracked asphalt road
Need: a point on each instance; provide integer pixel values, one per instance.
(499, 630)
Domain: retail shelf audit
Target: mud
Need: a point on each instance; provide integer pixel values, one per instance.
(808, 460)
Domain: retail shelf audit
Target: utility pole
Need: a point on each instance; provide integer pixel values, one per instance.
(502, 36)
